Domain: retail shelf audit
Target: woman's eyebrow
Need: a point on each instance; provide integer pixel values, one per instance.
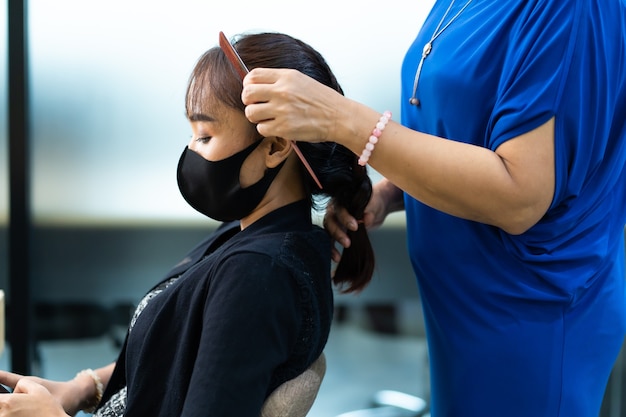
(200, 117)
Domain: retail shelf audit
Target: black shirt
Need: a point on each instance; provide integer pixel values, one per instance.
(251, 310)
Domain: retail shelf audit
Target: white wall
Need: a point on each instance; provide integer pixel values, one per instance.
(108, 80)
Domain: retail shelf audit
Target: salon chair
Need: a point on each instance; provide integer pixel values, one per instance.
(295, 397)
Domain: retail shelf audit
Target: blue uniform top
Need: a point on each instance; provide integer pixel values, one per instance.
(525, 325)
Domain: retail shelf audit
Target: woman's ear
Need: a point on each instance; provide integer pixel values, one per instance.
(279, 150)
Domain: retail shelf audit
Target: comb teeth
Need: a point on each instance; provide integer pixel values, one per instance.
(232, 56)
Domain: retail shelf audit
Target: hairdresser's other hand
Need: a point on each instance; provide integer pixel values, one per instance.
(288, 104)
(386, 198)
(30, 399)
(66, 394)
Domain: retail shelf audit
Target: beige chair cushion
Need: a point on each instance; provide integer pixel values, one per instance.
(295, 397)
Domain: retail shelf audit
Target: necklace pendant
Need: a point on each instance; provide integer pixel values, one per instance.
(426, 50)
(428, 47)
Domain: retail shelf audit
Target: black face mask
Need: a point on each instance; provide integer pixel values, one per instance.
(213, 188)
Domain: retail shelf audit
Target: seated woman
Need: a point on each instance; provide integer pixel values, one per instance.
(251, 306)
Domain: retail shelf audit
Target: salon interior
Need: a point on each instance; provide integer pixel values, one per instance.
(92, 118)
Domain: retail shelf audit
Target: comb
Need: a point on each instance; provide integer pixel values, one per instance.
(242, 70)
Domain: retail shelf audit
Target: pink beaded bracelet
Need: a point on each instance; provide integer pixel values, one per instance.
(373, 139)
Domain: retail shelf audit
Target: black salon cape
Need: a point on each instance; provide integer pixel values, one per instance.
(245, 316)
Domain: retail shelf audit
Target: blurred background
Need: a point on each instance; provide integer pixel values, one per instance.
(105, 220)
(106, 126)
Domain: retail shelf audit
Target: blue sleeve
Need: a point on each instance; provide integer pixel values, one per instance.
(251, 321)
(534, 71)
(581, 83)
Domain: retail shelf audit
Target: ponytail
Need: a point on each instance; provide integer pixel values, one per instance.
(348, 185)
(356, 267)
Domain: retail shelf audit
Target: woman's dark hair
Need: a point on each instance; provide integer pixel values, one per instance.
(342, 178)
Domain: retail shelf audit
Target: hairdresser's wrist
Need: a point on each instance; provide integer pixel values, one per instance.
(391, 195)
(353, 125)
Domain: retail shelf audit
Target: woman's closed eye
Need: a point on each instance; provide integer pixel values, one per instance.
(204, 139)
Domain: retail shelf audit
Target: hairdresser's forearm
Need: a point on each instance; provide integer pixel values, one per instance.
(511, 188)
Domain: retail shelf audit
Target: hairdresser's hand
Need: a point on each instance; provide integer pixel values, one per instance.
(337, 221)
(289, 104)
(386, 198)
(66, 394)
(30, 399)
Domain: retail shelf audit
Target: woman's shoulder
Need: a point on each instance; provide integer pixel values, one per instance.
(299, 243)
(292, 251)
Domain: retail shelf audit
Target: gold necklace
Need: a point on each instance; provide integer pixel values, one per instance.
(429, 47)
